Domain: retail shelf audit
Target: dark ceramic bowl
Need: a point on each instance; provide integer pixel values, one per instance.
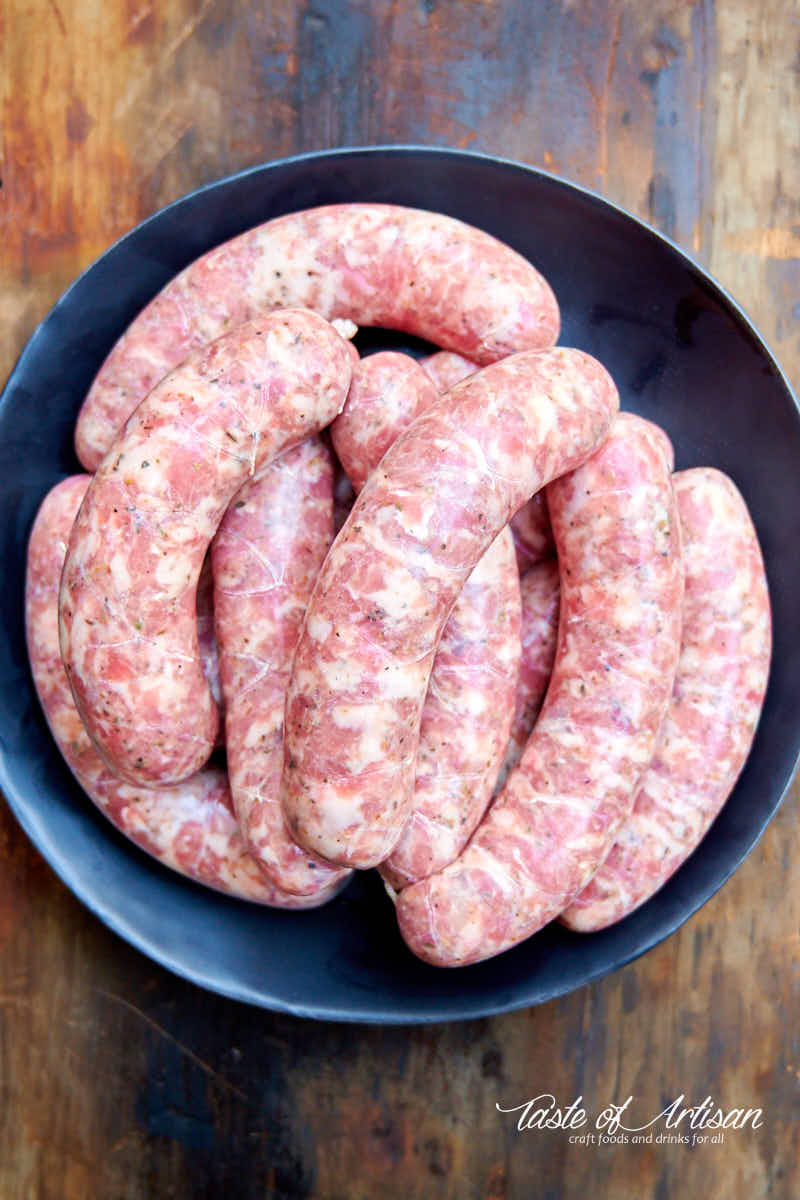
(682, 353)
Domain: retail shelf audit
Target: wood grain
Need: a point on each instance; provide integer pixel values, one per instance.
(117, 1080)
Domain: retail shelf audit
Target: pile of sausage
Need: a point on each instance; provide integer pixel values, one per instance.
(520, 680)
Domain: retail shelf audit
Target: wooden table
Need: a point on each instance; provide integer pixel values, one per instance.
(118, 1080)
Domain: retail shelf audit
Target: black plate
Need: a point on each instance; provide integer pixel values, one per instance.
(681, 352)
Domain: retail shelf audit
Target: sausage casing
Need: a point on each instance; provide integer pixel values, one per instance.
(190, 828)
(712, 716)
(439, 497)
(375, 264)
(266, 557)
(616, 530)
(128, 593)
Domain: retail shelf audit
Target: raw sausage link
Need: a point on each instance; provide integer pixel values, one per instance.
(387, 391)
(618, 542)
(128, 615)
(714, 711)
(266, 557)
(540, 605)
(376, 264)
(539, 627)
(447, 369)
(470, 700)
(533, 537)
(439, 497)
(190, 828)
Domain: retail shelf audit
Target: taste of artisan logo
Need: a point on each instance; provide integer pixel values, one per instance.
(677, 1123)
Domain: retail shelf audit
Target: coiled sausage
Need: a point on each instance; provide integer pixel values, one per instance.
(266, 557)
(190, 828)
(470, 700)
(616, 530)
(715, 706)
(375, 264)
(439, 497)
(128, 593)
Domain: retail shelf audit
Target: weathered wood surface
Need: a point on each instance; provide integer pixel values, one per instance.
(117, 1080)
